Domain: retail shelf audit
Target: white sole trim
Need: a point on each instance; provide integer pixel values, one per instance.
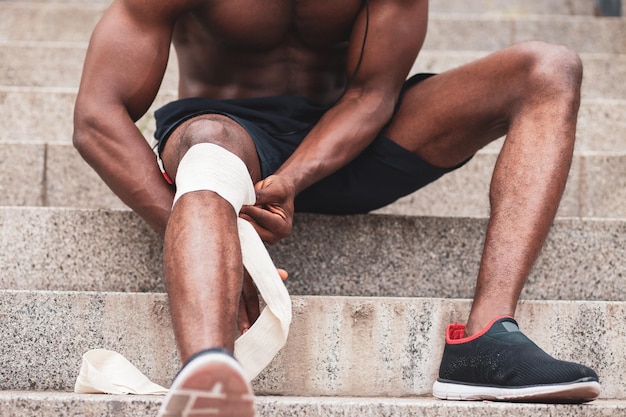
(574, 392)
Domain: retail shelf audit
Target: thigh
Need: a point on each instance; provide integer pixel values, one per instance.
(447, 118)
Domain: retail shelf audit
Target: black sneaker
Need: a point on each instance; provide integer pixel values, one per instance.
(211, 383)
(502, 364)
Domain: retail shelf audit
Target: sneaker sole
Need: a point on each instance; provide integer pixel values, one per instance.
(576, 392)
(212, 385)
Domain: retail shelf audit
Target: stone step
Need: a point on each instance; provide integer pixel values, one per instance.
(596, 188)
(50, 110)
(489, 33)
(512, 7)
(55, 175)
(53, 404)
(340, 347)
(603, 76)
(45, 114)
(337, 346)
(515, 7)
(364, 255)
(74, 22)
(58, 64)
(48, 21)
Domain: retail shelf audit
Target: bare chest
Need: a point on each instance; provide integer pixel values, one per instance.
(268, 24)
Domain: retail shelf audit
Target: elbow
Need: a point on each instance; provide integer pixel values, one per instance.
(84, 143)
(80, 135)
(85, 132)
(377, 103)
(80, 139)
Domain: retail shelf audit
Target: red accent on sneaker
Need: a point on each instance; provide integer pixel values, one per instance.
(455, 332)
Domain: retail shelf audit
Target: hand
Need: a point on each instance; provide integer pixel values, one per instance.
(249, 309)
(272, 214)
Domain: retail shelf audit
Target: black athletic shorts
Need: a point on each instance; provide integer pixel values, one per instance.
(381, 174)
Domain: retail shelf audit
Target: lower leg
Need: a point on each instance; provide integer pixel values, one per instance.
(531, 93)
(204, 272)
(526, 188)
(202, 254)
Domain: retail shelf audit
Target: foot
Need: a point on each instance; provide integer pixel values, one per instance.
(212, 383)
(502, 364)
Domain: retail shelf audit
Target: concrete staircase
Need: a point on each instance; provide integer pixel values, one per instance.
(372, 294)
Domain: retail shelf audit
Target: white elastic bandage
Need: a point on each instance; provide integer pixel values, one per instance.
(106, 371)
(210, 167)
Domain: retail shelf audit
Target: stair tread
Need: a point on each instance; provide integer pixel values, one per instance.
(17, 403)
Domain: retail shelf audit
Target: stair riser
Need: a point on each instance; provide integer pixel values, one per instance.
(56, 65)
(601, 123)
(337, 346)
(483, 33)
(56, 175)
(511, 7)
(461, 32)
(596, 187)
(515, 7)
(88, 250)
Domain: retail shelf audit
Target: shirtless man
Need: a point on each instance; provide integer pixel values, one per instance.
(324, 121)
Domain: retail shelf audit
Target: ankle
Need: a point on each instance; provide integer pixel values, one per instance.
(475, 326)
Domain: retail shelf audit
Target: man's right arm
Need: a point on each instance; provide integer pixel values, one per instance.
(124, 67)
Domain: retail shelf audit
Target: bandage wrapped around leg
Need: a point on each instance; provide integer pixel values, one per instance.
(210, 167)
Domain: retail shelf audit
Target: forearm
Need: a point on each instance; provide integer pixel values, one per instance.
(342, 133)
(117, 151)
(378, 69)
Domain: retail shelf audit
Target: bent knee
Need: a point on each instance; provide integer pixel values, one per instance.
(551, 70)
(216, 129)
(201, 129)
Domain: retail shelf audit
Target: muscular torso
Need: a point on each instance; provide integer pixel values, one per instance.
(246, 48)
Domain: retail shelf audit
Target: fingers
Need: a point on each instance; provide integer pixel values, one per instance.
(282, 273)
(249, 304)
(273, 190)
(271, 224)
(249, 309)
(242, 319)
(265, 235)
(251, 295)
(271, 215)
(267, 216)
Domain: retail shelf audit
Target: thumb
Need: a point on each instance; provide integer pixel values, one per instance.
(264, 194)
(261, 197)
(258, 191)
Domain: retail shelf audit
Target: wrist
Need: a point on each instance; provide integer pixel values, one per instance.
(297, 178)
(292, 184)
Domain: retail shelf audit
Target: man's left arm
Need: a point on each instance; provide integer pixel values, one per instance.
(395, 31)
(395, 34)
